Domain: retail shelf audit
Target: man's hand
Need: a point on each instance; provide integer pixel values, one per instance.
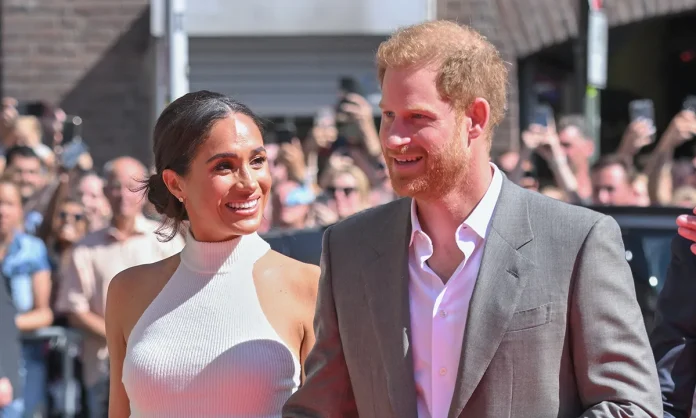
(638, 135)
(681, 129)
(292, 155)
(5, 392)
(544, 141)
(687, 228)
(358, 108)
(9, 113)
(324, 214)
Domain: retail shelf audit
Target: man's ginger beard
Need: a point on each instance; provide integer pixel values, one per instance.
(446, 168)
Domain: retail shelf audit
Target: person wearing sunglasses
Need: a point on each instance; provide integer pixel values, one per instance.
(347, 190)
(70, 224)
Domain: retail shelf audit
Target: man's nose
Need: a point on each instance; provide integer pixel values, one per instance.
(397, 135)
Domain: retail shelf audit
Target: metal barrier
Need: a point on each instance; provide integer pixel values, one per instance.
(67, 342)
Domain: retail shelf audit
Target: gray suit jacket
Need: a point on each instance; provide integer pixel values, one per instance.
(554, 328)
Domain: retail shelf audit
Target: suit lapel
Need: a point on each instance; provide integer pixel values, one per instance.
(386, 281)
(502, 278)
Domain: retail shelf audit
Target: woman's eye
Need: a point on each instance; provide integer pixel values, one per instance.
(223, 166)
(258, 161)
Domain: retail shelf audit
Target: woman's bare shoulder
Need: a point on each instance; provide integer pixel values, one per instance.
(144, 275)
(136, 287)
(301, 278)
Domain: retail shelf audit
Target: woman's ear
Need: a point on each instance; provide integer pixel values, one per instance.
(174, 183)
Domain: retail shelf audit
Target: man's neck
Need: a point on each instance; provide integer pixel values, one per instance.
(439, 218)
(124, 225)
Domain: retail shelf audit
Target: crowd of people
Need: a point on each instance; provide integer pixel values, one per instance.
(68, 228)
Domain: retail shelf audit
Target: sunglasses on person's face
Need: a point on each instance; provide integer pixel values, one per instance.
(346, 190)
(77, 217)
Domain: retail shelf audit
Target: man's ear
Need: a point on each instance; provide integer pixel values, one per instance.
(479, 113)
(589, 147)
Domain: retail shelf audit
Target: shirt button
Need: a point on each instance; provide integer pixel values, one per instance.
(443, 371)
(443, 314)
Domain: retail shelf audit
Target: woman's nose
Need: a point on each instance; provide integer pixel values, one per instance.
(246, 180)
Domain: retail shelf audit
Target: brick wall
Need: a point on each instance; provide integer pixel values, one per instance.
(483, 15)
(89, 56)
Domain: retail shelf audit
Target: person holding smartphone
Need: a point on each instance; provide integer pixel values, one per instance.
(680, 130)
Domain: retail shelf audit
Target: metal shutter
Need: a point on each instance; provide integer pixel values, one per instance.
(279, 76)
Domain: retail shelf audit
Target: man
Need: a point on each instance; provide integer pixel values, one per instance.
(674, 336)
(474, 298)
(30, 174)
(578, 148)
(613, 179)
(129, 241)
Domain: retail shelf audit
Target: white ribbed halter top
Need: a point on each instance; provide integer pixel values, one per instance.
(204, 348)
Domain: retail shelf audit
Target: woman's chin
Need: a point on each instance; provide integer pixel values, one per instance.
(244, 226)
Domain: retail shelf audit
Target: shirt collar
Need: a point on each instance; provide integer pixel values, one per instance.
(141, 227)
(479, 219)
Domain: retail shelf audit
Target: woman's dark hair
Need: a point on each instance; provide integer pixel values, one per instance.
(180, 130)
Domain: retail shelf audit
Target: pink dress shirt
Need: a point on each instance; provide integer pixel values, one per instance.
(439, 311)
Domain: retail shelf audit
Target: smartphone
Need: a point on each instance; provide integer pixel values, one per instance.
(72, 152)
(349, 85)
(285, 132)
(31, 109)
(72, 128)
(690, 103)
(347, 128)
(642, 109)
(543, 113)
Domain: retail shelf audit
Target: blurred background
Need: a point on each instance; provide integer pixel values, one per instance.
(601, 113)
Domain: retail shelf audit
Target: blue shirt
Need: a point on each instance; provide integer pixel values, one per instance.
(25, 256)
(32, 222)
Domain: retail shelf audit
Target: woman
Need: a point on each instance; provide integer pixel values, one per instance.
(346, 192)
(27, 273)
(224, 327)
(66, 227)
